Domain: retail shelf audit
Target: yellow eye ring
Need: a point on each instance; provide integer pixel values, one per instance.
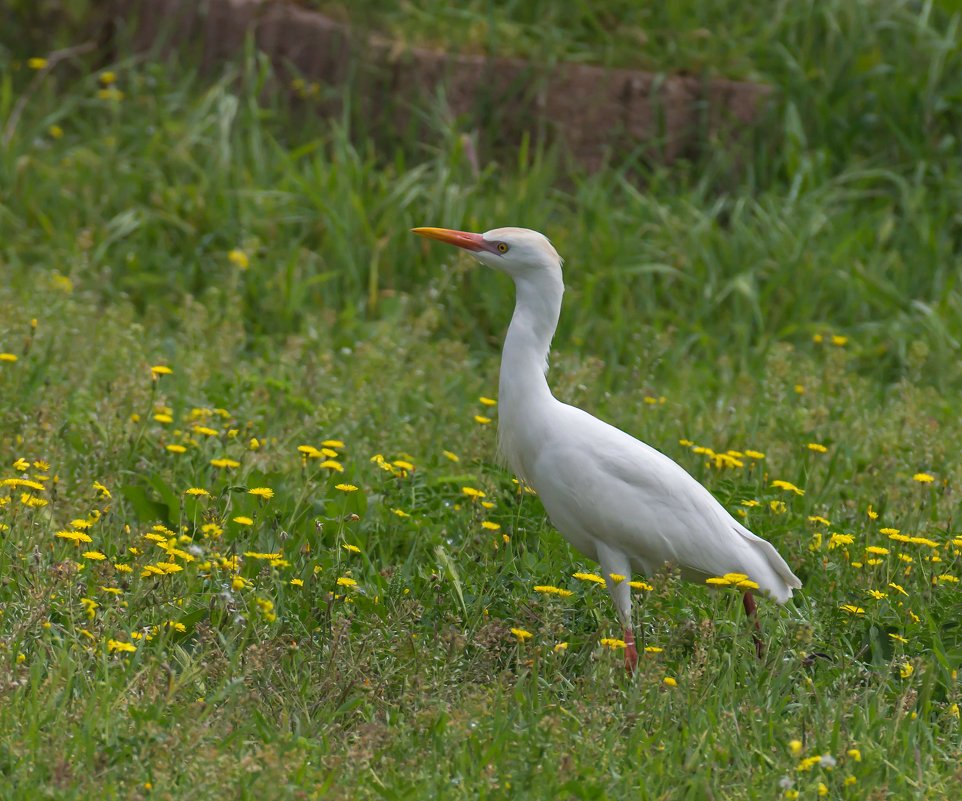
(502, 247)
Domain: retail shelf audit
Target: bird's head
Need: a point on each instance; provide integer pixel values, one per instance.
(519, 252)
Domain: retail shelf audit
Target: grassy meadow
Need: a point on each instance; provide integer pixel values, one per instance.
(254, 540)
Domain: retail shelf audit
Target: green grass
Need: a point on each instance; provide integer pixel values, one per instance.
(701, 289)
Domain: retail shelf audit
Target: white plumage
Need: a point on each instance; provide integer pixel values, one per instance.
(614, 498)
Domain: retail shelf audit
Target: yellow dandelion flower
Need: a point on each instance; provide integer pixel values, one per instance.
(718, 581)
(90, 607)
(119, 647)
(471, 492)
(480, 419)
(522, 634)
(788, 486)
(923, 478)
(795, 746)
(110, 93)
(174, 448)
(345, 487)
(906, 670)
(243, 520)
(331, 464)
(160, 417)
(346, 581)
(224, 463)
(875, 549)
(808, 763)
(261, 492)
(264, 556)
(852, 609)
(451, 456)
(547, 589)
(818, 519)
(197, 491)
(351, 548)
(640, 585)
(238, 258)
(755, 454)
(73, 536)
(22, 482)
(487, 401)
(817, 447)
(563, 646)
(95, 556)
(589, 577)
(613, 643)
(296, 582)
(8, 357)
(160, 369)
(487, 524)
(668, 681)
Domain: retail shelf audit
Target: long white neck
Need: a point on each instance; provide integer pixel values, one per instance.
(523, 393)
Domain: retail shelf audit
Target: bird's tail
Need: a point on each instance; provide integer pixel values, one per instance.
(774, 577)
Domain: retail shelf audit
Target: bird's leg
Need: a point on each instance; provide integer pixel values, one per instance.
(752, 611)
(631, 652)
(617, 572)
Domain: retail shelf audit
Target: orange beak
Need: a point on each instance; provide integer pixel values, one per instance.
(462, 239)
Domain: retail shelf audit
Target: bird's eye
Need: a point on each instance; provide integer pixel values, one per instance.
(502, 247)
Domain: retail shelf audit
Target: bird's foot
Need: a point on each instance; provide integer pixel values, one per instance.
(631, 653)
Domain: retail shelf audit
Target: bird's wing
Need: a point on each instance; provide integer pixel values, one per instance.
(599, 482)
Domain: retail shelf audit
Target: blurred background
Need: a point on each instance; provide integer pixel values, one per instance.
(734, 173)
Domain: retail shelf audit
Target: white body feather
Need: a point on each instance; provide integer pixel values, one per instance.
(615, 499)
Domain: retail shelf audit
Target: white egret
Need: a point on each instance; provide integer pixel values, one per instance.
(617, 500)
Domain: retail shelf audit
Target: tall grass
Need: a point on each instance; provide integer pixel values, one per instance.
(166, 182)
